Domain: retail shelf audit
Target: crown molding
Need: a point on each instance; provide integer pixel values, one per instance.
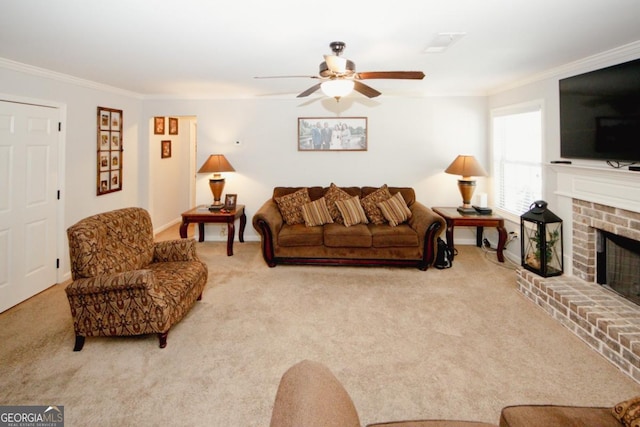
(619, 54)
(63, 78)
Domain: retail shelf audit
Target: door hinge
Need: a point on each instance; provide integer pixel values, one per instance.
(58, 195)
(57, 262)
(59, 126)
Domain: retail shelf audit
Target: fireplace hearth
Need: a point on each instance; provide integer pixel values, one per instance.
(605, 320)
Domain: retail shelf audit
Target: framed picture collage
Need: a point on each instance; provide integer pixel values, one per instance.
(109, 150)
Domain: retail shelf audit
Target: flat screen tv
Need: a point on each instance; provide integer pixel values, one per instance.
(600, 114)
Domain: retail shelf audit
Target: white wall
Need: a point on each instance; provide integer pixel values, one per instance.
(78, 184)
(410, 143)
(545, 88)
(169, 183)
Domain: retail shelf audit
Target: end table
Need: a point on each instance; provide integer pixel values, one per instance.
(453, 218)
(202, 216)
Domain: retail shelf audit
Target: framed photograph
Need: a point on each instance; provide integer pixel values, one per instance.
(109, 159)
(173, 126)
(230, 202)
(332, 134)
(158, 125)
(165, 149)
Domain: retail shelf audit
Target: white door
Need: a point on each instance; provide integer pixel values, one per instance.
(29, 139)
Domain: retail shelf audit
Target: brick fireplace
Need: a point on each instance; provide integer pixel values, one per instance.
(589, 200)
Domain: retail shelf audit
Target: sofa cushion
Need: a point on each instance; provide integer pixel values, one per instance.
(290, 206)
(628, 412)
(333, 194)
(351, 211)
(553, 415)
(370, 204)
(339, 236)
(316, 213)
(300, 235)
(383, 236)
(395, 210)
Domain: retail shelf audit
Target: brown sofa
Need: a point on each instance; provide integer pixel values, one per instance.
(411, 243)
(309, 395)
(124, 283)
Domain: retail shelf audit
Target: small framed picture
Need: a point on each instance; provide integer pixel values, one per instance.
(158, 125)
(173, 126)
(230, 202)
(104, 119)
(165, 149)
(115, 121)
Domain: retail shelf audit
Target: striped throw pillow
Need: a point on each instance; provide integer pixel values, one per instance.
(351, 211)
(316, 213)
(395, 210)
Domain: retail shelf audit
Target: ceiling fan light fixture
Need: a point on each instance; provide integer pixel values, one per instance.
(336, 64)
(337, 88)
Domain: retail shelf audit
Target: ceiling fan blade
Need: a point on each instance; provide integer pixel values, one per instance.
(286, 77)
(309, 91)
(367, 91)
(411, 75)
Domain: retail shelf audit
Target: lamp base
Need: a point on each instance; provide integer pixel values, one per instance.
(465, 210)
(216, 207)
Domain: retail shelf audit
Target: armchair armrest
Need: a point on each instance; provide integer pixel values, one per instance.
(135, 279)
(175, 250)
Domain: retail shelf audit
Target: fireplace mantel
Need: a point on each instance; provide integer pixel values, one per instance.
(618, 188)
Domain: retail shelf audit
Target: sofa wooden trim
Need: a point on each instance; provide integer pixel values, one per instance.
(423, 264)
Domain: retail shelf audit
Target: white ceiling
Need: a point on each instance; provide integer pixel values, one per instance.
(211, 48)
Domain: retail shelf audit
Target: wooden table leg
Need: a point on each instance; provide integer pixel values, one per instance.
(183, 229)
(201, 232)
(231, 231)
(502, 239)
(449, 234)
(479, 234)
(243, 223)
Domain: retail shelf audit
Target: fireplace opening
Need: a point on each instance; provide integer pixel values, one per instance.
(618, 264)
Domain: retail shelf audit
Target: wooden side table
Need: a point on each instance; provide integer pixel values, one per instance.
(201, 217)
(453, 218)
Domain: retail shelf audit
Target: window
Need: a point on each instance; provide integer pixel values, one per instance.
(517, 157)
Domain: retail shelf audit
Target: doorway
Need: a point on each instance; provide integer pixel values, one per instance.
(30, 145)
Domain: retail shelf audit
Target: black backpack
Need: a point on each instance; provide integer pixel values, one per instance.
(444, 255)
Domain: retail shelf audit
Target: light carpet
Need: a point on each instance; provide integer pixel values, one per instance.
(459, 343)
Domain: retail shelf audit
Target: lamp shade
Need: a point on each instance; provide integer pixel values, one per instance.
(216, 163)
(467, 166)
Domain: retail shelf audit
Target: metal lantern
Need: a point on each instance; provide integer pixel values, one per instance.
(541, 240)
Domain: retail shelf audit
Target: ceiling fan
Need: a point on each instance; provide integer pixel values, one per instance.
(339, 77)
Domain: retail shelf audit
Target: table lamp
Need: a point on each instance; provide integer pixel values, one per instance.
(467, 166)
(215, 164)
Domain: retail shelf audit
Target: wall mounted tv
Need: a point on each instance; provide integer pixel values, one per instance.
(600, 114)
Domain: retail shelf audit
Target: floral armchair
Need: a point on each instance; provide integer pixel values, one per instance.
(124, 283)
